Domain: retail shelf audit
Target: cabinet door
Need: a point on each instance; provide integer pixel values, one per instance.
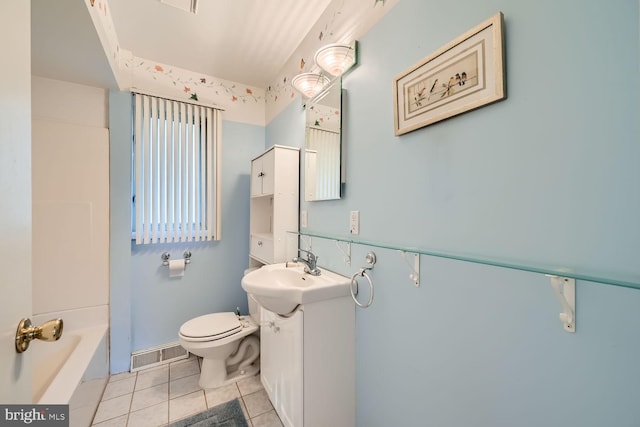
(268, 172)
(256, 177)
(281, 364)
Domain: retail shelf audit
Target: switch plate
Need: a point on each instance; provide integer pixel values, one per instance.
(354, 222)
(303, 219)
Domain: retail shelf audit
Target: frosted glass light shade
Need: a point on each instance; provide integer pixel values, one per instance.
(309, 84)
(336, 58)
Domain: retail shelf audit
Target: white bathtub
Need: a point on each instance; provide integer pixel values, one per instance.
(73, 370)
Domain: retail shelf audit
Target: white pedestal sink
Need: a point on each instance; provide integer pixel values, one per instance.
(280, 288)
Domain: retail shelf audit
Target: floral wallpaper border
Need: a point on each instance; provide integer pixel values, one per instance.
(342, 21)
(190, 83)
(322, 116)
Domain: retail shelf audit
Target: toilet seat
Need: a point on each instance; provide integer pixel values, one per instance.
(211, 327)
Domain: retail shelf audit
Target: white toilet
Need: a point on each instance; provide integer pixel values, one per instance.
(227, 344)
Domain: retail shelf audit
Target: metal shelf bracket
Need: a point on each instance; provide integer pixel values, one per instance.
(565, 290)
(415, 268)
(346, 252)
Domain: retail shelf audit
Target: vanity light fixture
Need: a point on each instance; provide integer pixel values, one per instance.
(309, 84)
(336, 58)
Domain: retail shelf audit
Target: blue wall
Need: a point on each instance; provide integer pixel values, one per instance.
(147, 307)
(548, 176)
(119, 230)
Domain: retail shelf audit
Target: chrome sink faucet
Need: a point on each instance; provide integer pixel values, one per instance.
(310, 263)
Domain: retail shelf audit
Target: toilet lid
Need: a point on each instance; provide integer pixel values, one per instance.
(211, 326)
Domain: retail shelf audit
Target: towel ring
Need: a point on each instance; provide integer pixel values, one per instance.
(364, 274)
(371, 260)
(355, 281)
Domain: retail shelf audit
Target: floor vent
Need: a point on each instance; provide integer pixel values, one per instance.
(157, 356)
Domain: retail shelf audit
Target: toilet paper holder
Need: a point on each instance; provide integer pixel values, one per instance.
(166, 255)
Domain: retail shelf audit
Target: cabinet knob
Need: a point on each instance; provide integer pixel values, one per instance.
(261, 174)
(275, 328)
(259, 242)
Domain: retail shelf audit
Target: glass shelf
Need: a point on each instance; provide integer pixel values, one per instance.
(578, 274)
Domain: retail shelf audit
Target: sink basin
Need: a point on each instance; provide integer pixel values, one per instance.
(281, 289)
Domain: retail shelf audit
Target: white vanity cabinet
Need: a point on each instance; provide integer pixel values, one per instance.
(281, 363)
(275, 184)
(308, 363)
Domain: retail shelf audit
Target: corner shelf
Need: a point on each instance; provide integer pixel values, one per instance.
(632, 282)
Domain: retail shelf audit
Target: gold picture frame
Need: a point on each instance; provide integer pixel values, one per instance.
(463, 75)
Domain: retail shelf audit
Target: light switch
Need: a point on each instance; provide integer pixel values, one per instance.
(354, 222)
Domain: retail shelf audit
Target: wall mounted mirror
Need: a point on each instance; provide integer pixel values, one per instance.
(323, 148)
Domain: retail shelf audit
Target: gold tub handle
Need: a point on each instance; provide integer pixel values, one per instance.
(26, 332)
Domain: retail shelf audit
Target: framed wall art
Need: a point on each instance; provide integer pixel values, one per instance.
(461, 76)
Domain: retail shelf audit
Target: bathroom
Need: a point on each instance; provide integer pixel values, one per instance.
(544, 177)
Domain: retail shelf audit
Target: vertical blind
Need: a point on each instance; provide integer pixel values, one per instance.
(327, 145)
(177, 149)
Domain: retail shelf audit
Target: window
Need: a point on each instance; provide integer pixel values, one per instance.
(176, 188)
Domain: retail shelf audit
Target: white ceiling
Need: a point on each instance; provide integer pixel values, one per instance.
(246, 41)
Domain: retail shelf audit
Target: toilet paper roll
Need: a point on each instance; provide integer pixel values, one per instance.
(176, 267)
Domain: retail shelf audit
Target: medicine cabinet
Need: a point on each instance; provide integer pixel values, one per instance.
(323, 145)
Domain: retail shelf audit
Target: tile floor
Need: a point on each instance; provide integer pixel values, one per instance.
(162, 395)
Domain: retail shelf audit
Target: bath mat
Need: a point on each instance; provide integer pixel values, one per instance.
(226, 415)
